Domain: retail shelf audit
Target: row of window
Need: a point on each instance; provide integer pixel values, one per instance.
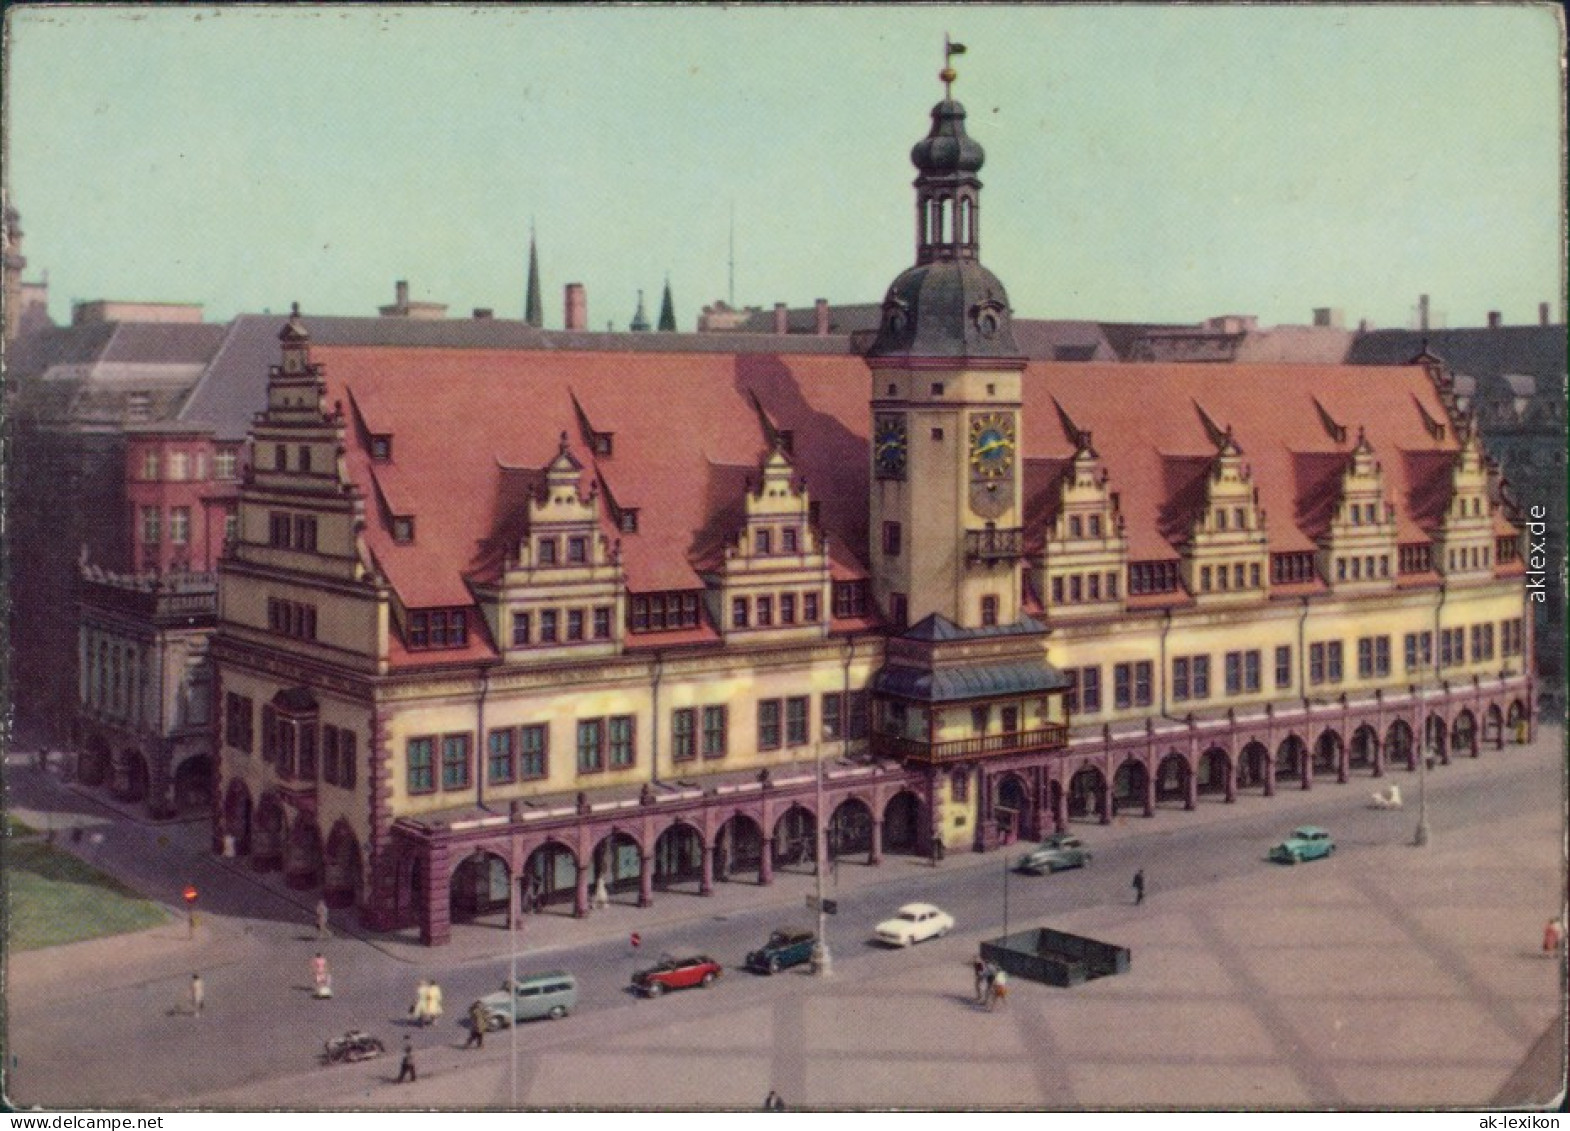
(1361, 514)
(291, 746)
(177, 467)
(1512, 638)
(552, 626)
(1229, 575)
(291, 532)
(522, 753)
(759, 612)
(1468, 557)
(1289, 568)
(1076, 587)
(1415, 558)
(1243, 669)
(516, 754)
(1077, 529)
(302, 458)
(571, 550)
(663, 612)
(448, 628)
(438, 628)
(179, 525)
(1152, 577)
(1355, 568)
(763, 540)
(291, 618)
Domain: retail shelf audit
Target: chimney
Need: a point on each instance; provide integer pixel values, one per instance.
(1422, 312)
(1495, 320)
(577, 307)
(781, 319)
(401, 293)
(1542, 314)
(821, 309)
(483, 314)
(1329, 316)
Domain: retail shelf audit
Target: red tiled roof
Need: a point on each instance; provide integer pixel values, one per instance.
(1146, 430)
(684, 434)
(468, 425)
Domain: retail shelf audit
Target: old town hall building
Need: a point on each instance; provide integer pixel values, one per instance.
(508, 624)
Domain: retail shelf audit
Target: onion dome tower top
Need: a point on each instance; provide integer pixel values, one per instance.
(948, 305)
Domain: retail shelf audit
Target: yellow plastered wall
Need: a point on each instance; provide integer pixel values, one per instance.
(737, 682)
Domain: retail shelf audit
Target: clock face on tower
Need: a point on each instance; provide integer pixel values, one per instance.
(889, 445)
(991, 445)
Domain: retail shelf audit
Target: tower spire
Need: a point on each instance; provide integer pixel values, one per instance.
(667, 308)
(640, 320)
(533, 313)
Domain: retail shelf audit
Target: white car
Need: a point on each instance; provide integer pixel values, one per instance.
(913, 923)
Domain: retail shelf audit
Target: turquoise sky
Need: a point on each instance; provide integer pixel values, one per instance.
(1159, 163)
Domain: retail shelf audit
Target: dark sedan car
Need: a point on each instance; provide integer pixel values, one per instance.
(676, 974)
(784, 948)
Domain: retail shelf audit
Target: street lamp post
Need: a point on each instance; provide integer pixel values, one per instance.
(1420, 836)
(822, 960)
(1005, 896)
(514, 912)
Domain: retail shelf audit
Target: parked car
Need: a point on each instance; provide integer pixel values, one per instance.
(913, 923)
(786, 947)
(1056, 852)
(1308, 842)
(533, 996)
(676, 974)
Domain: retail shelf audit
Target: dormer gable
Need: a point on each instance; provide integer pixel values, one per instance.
(1225, 552)
(1085, 551)
(563, 520)
(773, 580)
(1464, 545)
(563, 586)
(1358, 547)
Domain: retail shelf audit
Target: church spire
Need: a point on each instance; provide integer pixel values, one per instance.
(640, 320)
(667, 309)
(533, 313)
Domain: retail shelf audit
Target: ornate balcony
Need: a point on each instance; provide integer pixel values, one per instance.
(1053, 736)
(994, 544)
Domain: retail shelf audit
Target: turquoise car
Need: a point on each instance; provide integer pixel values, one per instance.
(1309, 842)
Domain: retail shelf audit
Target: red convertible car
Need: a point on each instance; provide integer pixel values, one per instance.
(676, 974)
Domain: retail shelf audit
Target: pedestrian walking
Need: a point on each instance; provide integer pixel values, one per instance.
(320, 975)
(322, 924)
(1000, 990)
(433, 1002)
(417, 1010)
(602, 895)
(1553, 935)
(477, 1020)
(979, 968)
(198, 995)
(1139, 887)
(989, 977)
(406, 1069)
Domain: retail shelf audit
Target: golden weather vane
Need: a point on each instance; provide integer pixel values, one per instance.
(948, 74)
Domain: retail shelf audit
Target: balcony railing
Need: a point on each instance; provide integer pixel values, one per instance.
(994, 544)
(1053, 736)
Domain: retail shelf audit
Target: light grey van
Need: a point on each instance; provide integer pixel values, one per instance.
(533, 996)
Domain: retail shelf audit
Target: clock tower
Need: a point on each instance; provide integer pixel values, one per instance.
(946, 506)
